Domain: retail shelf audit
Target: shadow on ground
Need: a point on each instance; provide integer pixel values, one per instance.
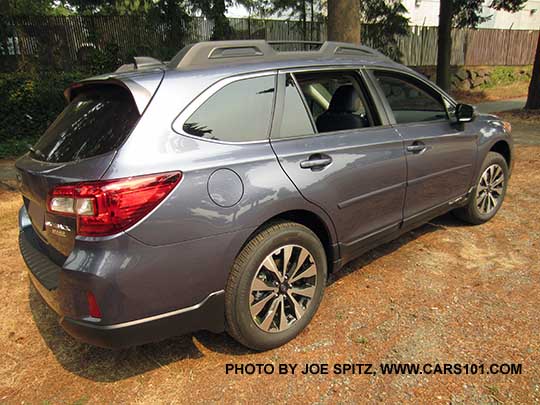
(104, 365)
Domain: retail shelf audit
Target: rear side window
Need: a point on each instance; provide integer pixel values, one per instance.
(94, 123)
(336, 100)
(410, 99)
(239, 112)
(295, 120)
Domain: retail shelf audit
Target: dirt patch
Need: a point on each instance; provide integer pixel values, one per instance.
(495, 93)
(525, 124)
(531, 117)
(445, 292)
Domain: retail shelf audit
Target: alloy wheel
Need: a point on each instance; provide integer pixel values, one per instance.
(283, 288)
(490, 189)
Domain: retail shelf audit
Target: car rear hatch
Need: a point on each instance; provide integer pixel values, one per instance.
(79, 146)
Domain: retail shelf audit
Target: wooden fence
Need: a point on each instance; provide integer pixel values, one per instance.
(489, 47)
(63, 42)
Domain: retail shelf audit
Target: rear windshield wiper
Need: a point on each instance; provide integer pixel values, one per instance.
(36, 152)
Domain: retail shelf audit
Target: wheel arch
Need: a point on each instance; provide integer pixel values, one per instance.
(503, 148)
(316, 224)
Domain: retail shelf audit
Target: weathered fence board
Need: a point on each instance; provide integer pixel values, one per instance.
(61, 42)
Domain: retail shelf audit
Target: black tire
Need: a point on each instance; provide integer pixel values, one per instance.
(239, 297)
(471, 213)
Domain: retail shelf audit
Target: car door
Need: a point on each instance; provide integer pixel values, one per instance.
(340, 153)
(440, 153)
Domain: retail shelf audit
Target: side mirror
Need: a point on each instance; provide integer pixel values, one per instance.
(465, 113)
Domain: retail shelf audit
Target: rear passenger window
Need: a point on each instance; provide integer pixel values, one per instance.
(239, 112)
(295, 120)
(410, 99)
(335, 100)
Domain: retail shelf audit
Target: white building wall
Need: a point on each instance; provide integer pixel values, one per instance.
(426, 12)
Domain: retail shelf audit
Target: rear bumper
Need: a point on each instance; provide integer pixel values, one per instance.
(56, 285)
(207, 315)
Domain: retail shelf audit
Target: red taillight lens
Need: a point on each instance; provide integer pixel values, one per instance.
(107, 207)
(93, 308)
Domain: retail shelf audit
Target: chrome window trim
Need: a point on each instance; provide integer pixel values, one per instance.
(178, 123)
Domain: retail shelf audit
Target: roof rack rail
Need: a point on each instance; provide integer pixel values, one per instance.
(138, 63)
(219, 52)
(295, 42)
(344, 48)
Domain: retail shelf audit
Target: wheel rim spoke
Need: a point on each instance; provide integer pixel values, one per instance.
(260, 285)
(283, 322)
(497, 182)
(493, 201)
(287, 252)
(270, 315)
(259, 305)
(300, 262)
(481, 201)
(309, 272)
(270, 264)
(298, 310)
(306, 292)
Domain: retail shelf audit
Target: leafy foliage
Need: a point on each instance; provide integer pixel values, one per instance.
(467, 13)
(215, 10)
(385, 22)
(42, 7)
(30, 103)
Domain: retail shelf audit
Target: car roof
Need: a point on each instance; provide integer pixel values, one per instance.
(237, 57)
(214, 60)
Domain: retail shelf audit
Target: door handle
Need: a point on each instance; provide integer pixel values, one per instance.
(418, 148)
(316, 162)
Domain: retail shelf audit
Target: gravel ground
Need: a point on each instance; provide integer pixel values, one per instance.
(444, 293)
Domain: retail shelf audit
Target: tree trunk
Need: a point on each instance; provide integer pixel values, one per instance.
(343, 21)
(304, 21)
(444, 52)
(533, 101)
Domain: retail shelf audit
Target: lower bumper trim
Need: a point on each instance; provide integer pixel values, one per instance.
(207, 315)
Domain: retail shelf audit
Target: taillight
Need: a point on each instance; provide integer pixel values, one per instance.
(107, 207)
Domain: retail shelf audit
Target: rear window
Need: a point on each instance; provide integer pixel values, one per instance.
(94, 123)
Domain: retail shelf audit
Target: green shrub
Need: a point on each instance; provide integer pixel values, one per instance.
(505, 75)
(28, 105)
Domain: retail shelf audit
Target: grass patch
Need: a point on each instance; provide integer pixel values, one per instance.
(505, 75)
(360, 340)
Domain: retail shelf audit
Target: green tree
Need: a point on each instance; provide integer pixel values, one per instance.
(384, 22)
(215, 10)
(114, 6)
(32, 7)
(462, 14)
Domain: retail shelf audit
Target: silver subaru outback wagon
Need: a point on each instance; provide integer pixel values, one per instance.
(217, 191)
